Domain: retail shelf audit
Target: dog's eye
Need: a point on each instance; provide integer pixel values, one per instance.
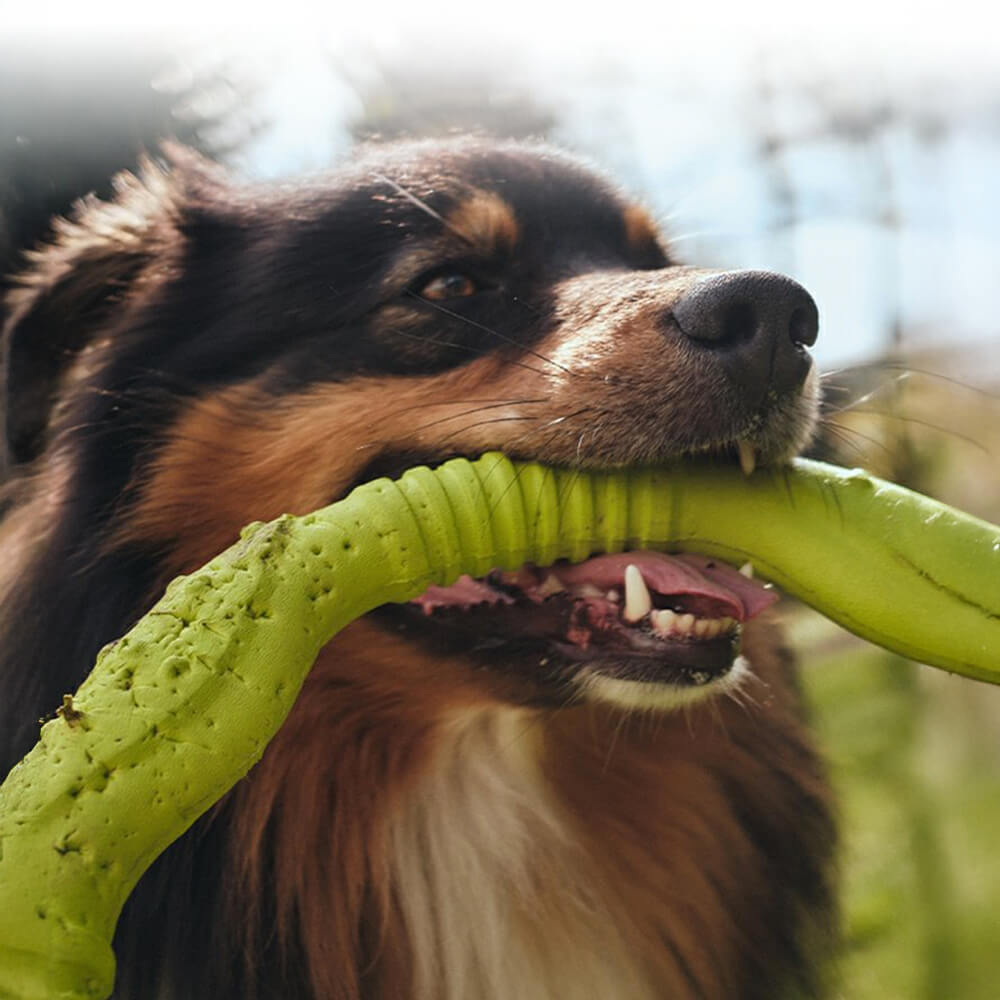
(453, 285)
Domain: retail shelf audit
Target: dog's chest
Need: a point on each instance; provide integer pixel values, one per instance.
(497, 897)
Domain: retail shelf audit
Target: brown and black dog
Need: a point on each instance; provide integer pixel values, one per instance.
(576, 782)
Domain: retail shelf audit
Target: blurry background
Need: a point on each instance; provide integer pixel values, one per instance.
(857, 151)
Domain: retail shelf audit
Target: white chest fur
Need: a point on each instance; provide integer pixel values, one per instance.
(498, 898)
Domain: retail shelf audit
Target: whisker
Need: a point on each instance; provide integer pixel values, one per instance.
(739, 695)
(493, 333)
(906, 370)
(693, 234)
(515, 441)
(958, 435)
(534, 310)
(483, 423)
(623, 720)
(464, 347)
(540, 446)
(487, 403)
(567, 416)
(868, 396)
(836, 387)
(577, 471)
(686, 712)
(716, 712)
(843, 435)
(514, 482)
(469, 413)
(422, 205)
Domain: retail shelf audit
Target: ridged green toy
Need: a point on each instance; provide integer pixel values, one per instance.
(178, 710)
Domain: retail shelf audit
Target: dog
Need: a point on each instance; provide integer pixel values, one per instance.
(572, 782)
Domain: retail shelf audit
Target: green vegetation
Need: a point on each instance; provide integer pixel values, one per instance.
(915, 758)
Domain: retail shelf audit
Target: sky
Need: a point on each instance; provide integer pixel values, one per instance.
(901, 31)
(664, 97)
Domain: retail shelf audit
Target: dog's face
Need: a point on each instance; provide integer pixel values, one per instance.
(202, 355)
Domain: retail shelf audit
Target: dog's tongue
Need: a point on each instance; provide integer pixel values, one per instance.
(689, 575)
(686, 574)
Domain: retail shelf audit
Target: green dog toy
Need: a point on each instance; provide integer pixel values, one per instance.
(182, 707)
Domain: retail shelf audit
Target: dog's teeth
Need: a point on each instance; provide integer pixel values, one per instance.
(701, 627)
(550, 585)
(748, 457)
(638, 603)
(588, 590)
(684, 625)
(747, 570)
(727, 625)
(613, 596)
(662, 621)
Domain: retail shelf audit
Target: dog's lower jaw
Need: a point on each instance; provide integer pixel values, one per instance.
(649, 696)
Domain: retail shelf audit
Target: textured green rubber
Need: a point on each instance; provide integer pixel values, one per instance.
(181, 708)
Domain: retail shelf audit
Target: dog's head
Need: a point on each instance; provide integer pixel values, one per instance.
(200, 354)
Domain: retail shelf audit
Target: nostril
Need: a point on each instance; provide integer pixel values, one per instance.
(739, 323)
(802, 327)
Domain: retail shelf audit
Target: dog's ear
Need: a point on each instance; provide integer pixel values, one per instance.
(68, 293)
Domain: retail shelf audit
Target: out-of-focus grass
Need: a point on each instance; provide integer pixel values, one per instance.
(914, 755)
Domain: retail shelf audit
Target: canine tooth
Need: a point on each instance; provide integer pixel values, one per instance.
(748, 457)
(747, 570)
(550, 585)
(684, 624)
(662, 621)
(638, 603)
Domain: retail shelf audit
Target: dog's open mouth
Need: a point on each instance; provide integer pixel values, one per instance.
(641, 616)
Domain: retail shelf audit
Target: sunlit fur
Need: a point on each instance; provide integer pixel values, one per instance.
(427, 824)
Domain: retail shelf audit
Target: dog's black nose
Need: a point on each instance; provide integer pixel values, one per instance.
(758, 324)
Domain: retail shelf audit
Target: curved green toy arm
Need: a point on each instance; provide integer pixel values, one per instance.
(178, 710)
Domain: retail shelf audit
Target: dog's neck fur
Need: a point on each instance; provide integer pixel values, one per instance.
(497, 896)
(382, 849)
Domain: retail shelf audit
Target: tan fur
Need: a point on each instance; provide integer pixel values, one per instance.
(290, 457)
(486, 221)
(641, 229)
